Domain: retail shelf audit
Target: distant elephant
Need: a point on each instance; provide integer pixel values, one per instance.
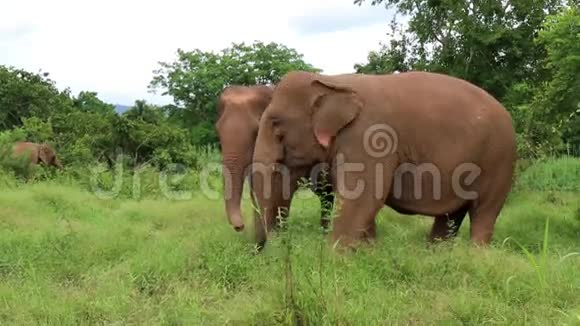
(37, 153)
(418, 142)
(239, 111)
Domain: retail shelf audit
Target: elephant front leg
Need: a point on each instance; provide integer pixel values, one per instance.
(356, 221)
(274, 209)
(268, 221)
(361, 195)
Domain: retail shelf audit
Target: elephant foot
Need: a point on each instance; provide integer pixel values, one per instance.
(259, 247)
(345, 245)
(446, 226)
(355, 241)
(371, 232)
(442, 230)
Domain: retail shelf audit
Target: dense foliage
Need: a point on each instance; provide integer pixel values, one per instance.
(85, 130)
(195, 79)
(70, 258)
(525, 53)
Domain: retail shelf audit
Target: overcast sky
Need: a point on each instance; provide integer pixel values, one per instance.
(112, 47)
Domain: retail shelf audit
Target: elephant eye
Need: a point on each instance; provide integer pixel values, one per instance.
(275, 122)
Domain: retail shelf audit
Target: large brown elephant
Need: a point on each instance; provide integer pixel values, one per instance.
(37, 153)
(239, 111)
(420, 143)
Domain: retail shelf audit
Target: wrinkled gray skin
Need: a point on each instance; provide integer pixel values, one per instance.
(37, 153)
(239, 111)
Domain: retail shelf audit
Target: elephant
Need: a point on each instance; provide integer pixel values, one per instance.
(239, 110)
(37, 153)
(418, 142)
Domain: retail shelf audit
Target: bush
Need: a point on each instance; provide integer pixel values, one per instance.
(551, 174)
(173, 181)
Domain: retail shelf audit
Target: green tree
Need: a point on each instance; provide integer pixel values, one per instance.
(555, 109)
(561, 38)
(146, 135)
(490, 43)
(395, 56)
(86, 131)
(523, 52)
(196, 78)
(25, 95)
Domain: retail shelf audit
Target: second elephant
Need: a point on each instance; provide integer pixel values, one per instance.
(37, 153)
(239, 111)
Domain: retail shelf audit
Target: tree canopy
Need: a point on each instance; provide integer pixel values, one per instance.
(86, 129)
(196, 78)
(525, 53)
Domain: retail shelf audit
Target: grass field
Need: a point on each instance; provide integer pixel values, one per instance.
(70, 258)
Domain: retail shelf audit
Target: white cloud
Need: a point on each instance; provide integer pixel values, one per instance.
(112, 47)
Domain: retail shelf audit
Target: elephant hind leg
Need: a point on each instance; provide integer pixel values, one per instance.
(485, 210)
(447, 226)
(482, 218)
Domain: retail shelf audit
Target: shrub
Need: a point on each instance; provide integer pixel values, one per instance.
(551, 174)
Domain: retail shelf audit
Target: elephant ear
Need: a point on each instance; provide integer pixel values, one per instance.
(334, 107)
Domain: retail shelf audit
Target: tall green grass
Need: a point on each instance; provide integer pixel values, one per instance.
(551, 174)
(68, 257)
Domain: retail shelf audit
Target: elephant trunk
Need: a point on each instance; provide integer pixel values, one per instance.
(57, 164)
(234, 173)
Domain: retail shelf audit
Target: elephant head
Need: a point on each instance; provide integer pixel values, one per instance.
(47, 155)
(306, 112)
(239, 111)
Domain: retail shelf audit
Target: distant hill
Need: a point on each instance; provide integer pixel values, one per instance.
(121, 108)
